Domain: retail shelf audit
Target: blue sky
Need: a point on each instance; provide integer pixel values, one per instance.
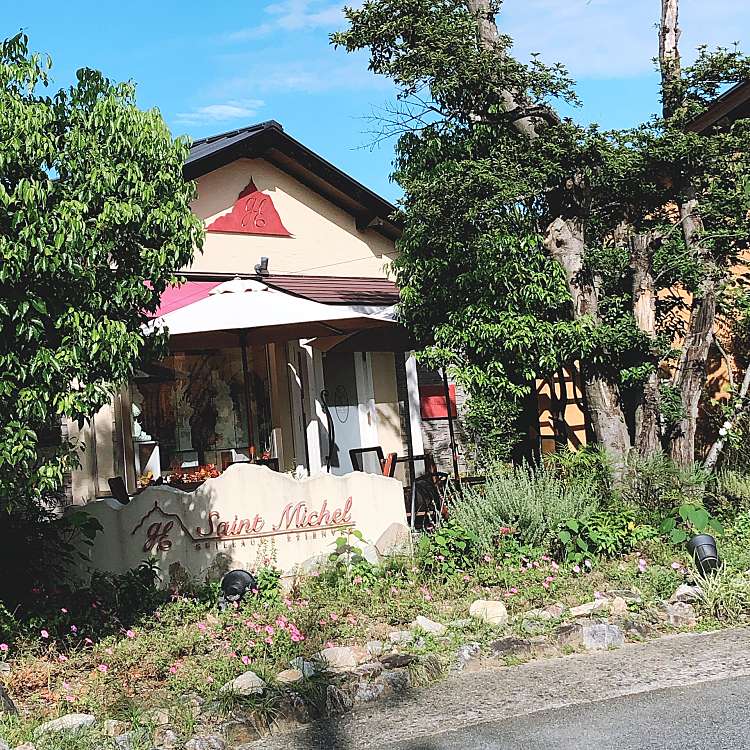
(211, 67)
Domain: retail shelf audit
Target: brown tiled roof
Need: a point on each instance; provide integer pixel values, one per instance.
(331, 290)
(350, 290)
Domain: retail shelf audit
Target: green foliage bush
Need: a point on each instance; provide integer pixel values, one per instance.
(450, 549)
(534, 501)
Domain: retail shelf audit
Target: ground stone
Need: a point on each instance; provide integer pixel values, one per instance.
(430, 626)
(4, 745)
(511, 646)
(366, 691)
(339, 658)
(370, 553)
(125, 741)
(67, 723)
(394, 682)
(400, 637)
(338, 701)
(600, 636)
(26, 746)
(467, 653)
(584, 610)
(375, 648)
(686, 593)
(165, 738)
(397, 661)
(370, 669)
(114, 728)
(631, 596)
(570, 635)
(492, 612)
(679, 614)
(618, 607)
(247, 683)
(158, 717)
(206, 742)
(306, 667)
(289, 675)
(636, 628)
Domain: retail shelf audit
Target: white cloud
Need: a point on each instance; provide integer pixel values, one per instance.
(616, 38)
(293, 15)
(235, 109)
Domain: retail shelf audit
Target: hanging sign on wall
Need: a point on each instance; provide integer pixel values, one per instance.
(252, 213)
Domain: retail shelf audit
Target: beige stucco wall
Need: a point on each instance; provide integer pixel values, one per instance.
(386, 402)
(324, 241)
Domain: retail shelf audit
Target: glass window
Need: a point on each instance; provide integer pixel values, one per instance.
(191, 417)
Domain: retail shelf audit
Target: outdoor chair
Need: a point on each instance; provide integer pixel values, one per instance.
(425, 496)
(118, 490)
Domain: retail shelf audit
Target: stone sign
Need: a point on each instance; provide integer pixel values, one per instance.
(246, 517)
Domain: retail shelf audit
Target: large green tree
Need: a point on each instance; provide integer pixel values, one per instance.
(94, 220)
(531, 240)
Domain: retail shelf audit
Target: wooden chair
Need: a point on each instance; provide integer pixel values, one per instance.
(355, 456)
(425, 496)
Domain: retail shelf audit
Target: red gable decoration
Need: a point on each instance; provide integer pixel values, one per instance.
(252, 213)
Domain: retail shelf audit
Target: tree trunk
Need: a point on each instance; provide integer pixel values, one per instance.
(564, 240)
(718, 446)
(647, 424)
(690, 374)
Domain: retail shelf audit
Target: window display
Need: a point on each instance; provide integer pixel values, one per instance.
(191, 416)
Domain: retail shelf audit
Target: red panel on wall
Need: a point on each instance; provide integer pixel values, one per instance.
(252, 213)
(432, 401)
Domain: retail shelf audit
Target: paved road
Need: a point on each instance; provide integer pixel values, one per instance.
(620, 699)
(708, 716)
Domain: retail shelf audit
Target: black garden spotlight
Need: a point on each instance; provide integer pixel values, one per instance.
(235, 584)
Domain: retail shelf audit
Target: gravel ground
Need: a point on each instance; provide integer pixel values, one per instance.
(493, 696)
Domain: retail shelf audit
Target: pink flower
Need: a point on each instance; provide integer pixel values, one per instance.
(245, 660)
(103, 668)
(394, 590)
(45, 634)
(270, 629)
(73, 629)
(66, 686)
(334, 617)
(209, 679)
(467, 579)
(88, 641)
(4, 647)
(576, 568)
(69, 698)
(173, 669)
(357, 580)
(487, 558)
(129, 634)
(62, 657)
(201, 626)
(269, 640)
(676, 566)
(514, 590)
(64, 611)
(108, 651)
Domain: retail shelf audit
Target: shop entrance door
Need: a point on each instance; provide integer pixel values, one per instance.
(340, 377)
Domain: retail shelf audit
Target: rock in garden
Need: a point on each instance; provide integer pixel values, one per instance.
(460, 624)
(394, 682)
(247, 683)
(635, 628)
(370, 554)
(511, 646)
(26, 746)
(550, 612)
(570, 635)
(492, 612)
(125, 741)
(601, 636)
(467, 653)
(113, 727)
(165, 738)
(584, 610)
(67, 723)
(366, 691)
(4, 745)
(306, 667)
(400, 637)
(532, 626)
(206, 742)
(631, 596)
(686, 593)
(370, 669)
(679, 614)
(618, 607)
(159, 717)
(339, 658)
(430, 626)
(397, 661)
(289, 676)
(338, 701)
(375, 648)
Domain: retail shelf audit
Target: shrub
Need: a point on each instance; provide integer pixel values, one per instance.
(726, 594)
(534, 501)
(450, 549)
(607, 532)
(734, 486)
